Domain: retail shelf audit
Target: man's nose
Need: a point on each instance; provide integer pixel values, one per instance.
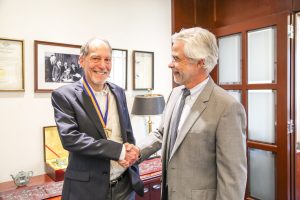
(171, 64)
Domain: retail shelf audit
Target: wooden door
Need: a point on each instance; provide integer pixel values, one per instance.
(254, 66)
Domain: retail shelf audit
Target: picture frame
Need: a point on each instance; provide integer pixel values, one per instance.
(11, 65)
(55, 65)
(143, 70)
(118, 74)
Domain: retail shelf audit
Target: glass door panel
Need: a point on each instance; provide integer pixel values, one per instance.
(230, 59)
(262, 174)
(262, 58)
(261, 115)
(236, 94)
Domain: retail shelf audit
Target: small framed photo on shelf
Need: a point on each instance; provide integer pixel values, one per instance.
(56, 64)
(143, 70)
(11, 65)
(118, 74)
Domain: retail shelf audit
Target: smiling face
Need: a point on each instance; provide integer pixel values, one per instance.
(97, 64)
(186, 71)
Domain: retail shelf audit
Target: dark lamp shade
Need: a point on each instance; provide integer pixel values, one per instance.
(152, 104)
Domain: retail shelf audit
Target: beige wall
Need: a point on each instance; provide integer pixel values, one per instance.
(132, 24)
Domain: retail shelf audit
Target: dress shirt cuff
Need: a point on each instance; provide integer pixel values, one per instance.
(123, 152)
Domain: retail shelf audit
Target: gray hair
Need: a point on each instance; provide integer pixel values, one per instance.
(199, 44)
(84, 50)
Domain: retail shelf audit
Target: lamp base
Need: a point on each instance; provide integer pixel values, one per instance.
(149, 125)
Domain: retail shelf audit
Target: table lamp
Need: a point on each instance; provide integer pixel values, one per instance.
(149, 104)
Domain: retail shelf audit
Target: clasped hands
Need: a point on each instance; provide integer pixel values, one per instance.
(131, 156)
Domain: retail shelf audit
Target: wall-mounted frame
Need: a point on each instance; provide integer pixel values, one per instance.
(11, 65)
(118, 74)
(56, 64)
(143, 70)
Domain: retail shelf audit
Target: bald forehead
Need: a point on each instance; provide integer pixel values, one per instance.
(98, 42)
(94, 44)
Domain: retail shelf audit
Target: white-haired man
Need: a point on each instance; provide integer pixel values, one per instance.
(202, 132)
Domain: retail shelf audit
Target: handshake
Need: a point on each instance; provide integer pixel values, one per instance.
(131, 156)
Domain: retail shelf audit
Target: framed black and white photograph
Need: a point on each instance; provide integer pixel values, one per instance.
(56, 64)
(143, 70)
(11, 65)
(118, 74)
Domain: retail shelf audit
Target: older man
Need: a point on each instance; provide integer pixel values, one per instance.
(94, 126)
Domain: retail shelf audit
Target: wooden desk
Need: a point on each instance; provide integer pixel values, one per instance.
(36, 180)
(151, 182)
(36, 183)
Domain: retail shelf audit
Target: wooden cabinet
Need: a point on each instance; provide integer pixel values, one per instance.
(152, 188)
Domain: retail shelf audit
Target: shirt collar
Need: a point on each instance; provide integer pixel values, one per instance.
(105, 90)
(198, 88)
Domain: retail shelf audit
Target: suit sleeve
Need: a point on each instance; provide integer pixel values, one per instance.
(75, 141)
(153, 142)
(129, 132)
(231, 153)
(151, 145)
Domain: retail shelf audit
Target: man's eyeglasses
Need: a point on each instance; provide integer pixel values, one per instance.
(177, 60)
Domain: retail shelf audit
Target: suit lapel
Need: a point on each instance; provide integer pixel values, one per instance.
(167, 118)
(170, 109)
(196, 110)
(87, 105)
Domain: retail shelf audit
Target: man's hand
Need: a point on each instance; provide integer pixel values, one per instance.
(130, 147)
(131, 156)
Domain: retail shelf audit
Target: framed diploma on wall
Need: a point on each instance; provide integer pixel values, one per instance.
(11, 65)
(143, 70)
(118, 74)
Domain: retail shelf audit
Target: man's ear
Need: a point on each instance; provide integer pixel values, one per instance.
(80, 61)
(201, 63)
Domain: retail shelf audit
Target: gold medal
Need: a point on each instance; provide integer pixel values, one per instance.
(108, 132)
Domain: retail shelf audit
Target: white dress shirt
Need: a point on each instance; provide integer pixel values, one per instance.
(189, 102)
(113, 123)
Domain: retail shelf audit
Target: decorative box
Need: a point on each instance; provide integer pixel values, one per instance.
(56, 157)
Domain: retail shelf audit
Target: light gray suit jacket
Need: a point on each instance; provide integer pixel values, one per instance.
(208, 161)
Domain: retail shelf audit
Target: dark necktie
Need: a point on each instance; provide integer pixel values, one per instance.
(176, 116)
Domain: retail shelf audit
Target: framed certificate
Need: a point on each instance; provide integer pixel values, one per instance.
(118, 74)
(143, 70)
(11, 65)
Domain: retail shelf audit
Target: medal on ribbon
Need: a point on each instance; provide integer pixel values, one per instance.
(108, 132)
(102, 118)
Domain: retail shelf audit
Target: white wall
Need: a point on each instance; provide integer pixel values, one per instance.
(132, 24)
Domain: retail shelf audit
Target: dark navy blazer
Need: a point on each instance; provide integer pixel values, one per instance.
(88, 173)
